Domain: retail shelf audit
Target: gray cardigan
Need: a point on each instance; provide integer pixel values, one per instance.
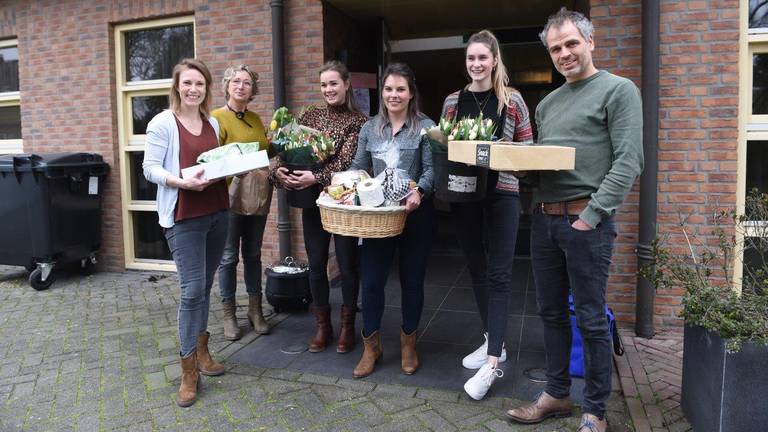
(161, 157)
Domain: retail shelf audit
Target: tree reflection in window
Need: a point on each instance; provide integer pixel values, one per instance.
(9, 69)
(151, 54)
(757, 167)
(758, 13)
(144, 109)
(760, 84)
(10, 122)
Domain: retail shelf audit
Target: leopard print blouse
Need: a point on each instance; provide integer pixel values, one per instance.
(343, 126)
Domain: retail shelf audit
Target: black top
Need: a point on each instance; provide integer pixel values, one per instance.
(470, 104)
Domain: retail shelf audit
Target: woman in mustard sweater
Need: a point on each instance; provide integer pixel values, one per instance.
(250, 197)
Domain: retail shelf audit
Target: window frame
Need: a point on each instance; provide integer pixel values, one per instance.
(9, 99)
(129, 142)
(752, 127)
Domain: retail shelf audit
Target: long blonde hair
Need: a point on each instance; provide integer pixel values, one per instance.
(499, 77)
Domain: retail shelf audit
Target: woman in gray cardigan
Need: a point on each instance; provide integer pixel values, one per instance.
(192, 212)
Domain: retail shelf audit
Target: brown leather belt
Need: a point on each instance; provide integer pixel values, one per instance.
(574, 207)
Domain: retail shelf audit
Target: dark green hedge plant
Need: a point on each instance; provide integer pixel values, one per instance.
(705, 273)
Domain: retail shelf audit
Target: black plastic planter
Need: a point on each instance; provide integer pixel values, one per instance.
(458, 182)
(304, 198)
(722, 391)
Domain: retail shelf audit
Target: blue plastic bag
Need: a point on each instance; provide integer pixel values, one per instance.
(577, 346)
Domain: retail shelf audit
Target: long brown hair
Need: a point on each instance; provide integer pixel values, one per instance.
(414, 114)
(341, 68)
(175, 98)
(499, 76)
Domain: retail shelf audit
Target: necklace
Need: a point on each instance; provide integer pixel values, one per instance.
(240, 115)
(481, 107)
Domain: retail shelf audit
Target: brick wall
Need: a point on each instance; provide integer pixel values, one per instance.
(68, 90)
(68, 97)
(698, 125)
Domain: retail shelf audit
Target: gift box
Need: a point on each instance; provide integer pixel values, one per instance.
(507, 156)
(229, 165)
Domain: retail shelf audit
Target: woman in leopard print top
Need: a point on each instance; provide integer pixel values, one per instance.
(342, 121)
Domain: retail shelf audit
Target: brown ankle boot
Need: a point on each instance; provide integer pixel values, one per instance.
(207, 365)
(323, 329)
(190, 379)
(256, 315)
(231, 329)
(372, 353)
(347, 333)
(409, 360)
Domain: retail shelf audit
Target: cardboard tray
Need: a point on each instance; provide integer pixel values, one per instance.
(509, 156)
(229, 166)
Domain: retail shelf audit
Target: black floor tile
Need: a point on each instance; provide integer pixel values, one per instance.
(450, 328)
(532, 334)
(529, 304)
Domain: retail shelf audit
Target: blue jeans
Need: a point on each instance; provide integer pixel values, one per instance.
(414, 245)
(251, 230)
(317, 241)
(564, 257)
(196, 245)
(487, 234)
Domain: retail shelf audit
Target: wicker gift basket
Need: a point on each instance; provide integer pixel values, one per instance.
(358, 221)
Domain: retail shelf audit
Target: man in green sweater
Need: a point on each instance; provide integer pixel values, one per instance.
(573, 228)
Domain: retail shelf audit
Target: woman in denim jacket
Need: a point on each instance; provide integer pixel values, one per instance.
(394, 136)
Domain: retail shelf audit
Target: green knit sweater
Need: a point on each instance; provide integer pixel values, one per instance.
(601, 117)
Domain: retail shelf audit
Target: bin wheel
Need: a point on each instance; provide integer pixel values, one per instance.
(36, 280)
(87, 267)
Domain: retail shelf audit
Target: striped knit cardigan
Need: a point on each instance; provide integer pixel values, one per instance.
(517, 128)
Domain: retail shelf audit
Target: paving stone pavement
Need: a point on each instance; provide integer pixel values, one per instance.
(99, 353)
(651, 378)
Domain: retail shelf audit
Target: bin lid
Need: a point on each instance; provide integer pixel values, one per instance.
(43, 161)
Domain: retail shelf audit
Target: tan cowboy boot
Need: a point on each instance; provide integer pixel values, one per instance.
(190, 378)
(346, 340)
(590, 423)
(323, 329)
(256, 315)
(409, 360)
(207, 365)
(231, 329)
(372, 353)
(542, 408)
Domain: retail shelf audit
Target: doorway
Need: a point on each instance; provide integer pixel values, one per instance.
(430, 36)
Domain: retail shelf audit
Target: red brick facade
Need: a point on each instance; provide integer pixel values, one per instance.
(68, 97)
(67, 79)
(698, 124)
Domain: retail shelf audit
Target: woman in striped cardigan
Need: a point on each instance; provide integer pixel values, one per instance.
(487, 229)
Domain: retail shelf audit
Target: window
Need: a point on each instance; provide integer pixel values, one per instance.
(753, 123)
(10, 101)
(145, 54)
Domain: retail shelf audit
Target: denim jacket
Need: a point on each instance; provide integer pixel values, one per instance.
(412, 151)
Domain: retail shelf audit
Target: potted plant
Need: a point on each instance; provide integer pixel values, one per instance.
(299, 148)
(454, 181)
(725, 359)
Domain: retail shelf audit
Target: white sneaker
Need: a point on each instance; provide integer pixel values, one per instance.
(477, 358)
(477, 386)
